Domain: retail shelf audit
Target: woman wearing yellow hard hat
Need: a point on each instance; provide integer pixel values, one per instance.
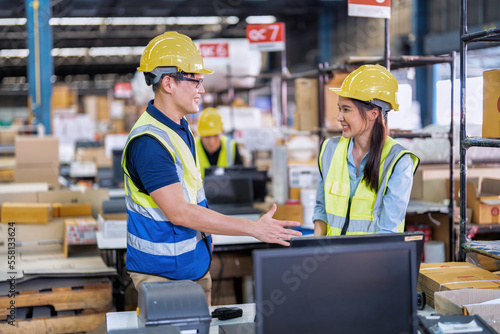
(366, 176)
(212, 147)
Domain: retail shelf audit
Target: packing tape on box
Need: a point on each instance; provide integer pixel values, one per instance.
(459, 282)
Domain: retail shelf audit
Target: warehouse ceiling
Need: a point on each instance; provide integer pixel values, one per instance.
(76, 24)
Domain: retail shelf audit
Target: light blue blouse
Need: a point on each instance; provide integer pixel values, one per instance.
(396, 197)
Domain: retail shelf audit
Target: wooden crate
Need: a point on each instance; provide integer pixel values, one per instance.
(67, 294)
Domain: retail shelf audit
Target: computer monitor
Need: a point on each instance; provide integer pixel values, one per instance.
(259, 178)
(328, 289)
(416, 237)
(118, 174)
(228, 189)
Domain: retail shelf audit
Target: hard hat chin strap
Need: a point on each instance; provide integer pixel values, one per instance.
(384, 106)
(153, 77)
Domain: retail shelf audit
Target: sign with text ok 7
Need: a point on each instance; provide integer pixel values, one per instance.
(266, 37)
(370, 8)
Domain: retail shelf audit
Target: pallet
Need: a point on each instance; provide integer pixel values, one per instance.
(92, 295)
(64, 322)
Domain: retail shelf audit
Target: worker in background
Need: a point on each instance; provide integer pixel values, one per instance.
(169, 225)
(366, 176)
(212, 147)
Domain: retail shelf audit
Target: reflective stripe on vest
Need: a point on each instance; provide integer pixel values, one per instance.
(226, 154)
(365, 204)
(154, 244)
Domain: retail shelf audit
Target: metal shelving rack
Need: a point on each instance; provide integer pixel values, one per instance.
(487, 35)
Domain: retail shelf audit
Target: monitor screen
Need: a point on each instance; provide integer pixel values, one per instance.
(259, 178)
(327, 289)
(228, 189)
(118, 173)
(417, 237)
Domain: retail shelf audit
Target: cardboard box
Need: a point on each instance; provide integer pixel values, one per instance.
(306, 100)
(112, 228)
(28, 213)
(8, 136)
(79, 231)
(60, 196)
(491, 105)
(48, 173)
(18, 197)
(94, 154)
(289, 212)
(435, 277)
(484, 199)
(470, 302)
(34, 238)
(61, 210)
(37, 150)
(63, 97)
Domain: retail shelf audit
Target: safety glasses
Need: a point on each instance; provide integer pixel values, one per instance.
(180, 77)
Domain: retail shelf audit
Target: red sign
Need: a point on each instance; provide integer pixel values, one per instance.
(370, 8)
(267, 37)
(215, 50)
(123, 90)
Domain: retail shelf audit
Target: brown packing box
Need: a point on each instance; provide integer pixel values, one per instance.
(35, 238)
(60, 196)
(435, 277)
(48, 173)
(8, 136)
(94, 154)
(484, 201)
(470, 302)
(19, 197)
(71, 210)
(63, 97)
(289, 212)
(306, 99)
(37, 150)
(79, 231)
(491, 106)
(29, 213)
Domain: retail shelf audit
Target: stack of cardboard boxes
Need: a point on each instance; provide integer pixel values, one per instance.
(37, 160)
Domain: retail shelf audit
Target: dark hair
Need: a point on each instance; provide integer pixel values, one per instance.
(372, 167)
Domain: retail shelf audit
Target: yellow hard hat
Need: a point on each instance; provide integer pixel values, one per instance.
(210, 122)
(173, 49)
(370, 82)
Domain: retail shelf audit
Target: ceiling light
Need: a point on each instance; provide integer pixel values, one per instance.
(76, 21)
(13, 22)
(260, 19)
(14, 53)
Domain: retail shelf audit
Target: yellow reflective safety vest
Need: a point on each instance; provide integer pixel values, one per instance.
(155, 245)
(366, 204)
(226, 155)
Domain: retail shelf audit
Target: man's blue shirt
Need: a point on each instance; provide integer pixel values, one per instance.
(150, 165)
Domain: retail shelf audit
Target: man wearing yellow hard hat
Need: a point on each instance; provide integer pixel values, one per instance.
(366, 176)
(212, 147)
(169, 224)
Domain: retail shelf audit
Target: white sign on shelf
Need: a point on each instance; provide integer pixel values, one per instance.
(370, 8)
